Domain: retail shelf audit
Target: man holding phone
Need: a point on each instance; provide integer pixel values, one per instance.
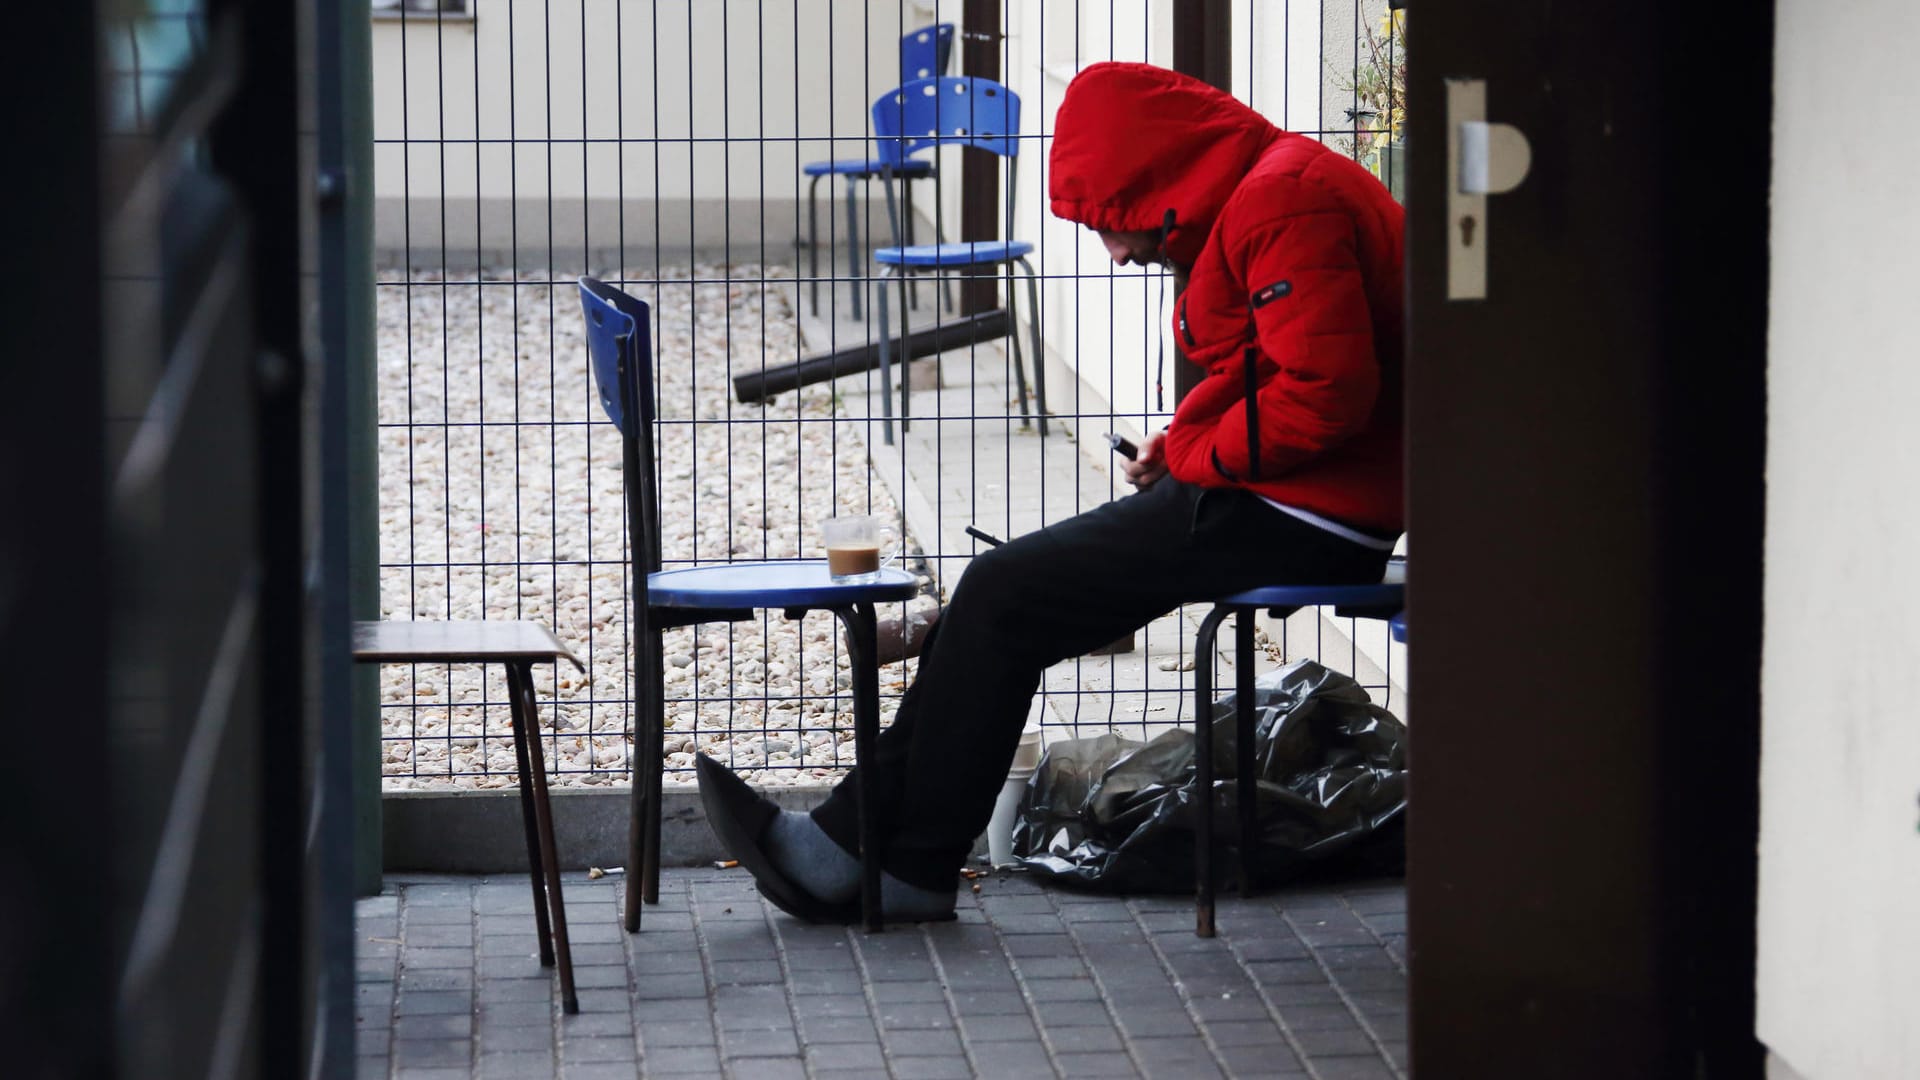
(1282, 464)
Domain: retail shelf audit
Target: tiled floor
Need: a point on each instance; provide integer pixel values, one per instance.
(1030, 982)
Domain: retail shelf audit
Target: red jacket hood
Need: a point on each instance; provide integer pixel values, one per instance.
(1132, 141)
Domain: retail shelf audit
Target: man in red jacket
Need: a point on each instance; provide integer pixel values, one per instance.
(1282, 465)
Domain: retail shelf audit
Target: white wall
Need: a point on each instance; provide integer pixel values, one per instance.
(706, 115)
(1839, 924)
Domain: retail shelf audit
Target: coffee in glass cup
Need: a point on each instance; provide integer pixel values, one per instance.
(853, 545)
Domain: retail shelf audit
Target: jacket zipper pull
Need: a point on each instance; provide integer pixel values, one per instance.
(1160, 365)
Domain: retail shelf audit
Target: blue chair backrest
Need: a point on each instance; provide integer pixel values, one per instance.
(620, 349)
(924, 52)
(620, 343)
(952, 109)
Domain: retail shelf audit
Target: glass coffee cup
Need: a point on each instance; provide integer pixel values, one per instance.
(853, 544)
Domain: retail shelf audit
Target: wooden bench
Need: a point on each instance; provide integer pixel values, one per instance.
(516, 646)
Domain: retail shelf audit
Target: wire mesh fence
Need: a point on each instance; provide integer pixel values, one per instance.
(662, 146)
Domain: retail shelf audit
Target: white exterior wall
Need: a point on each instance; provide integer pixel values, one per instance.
(775, 77)
(1839, 924)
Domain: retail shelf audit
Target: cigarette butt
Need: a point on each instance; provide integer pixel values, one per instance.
(726, 864)
(594, 873)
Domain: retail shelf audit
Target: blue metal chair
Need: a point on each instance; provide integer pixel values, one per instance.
(620, 345)
(929, 113)
(923, 53)
(1382, 601)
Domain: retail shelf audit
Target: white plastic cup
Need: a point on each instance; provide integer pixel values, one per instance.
(1006, 809)
(1027, 754)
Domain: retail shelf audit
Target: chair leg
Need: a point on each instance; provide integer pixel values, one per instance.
(520, 674)
(906, 367)
(906, 228)
(1245, 786)
(856, 258)
(636, 830)
(813, 245)
(523, 732)
(940, 237)
(886, 365)
(1039, 358)
(656, 772)
(1203, 650)
(1013, 341)
(642, 827)
(859, 624)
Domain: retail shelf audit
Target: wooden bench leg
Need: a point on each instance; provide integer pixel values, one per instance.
(523, 732)
(520, 680)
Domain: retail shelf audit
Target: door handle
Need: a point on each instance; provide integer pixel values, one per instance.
(1483, 159)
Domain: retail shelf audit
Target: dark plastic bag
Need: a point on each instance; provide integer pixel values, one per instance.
(1116, 814)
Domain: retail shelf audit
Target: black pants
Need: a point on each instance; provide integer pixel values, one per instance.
(1042, 598)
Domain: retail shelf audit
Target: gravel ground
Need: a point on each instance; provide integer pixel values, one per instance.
(500, 497)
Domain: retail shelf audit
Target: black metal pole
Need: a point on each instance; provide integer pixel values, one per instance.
(980, 206)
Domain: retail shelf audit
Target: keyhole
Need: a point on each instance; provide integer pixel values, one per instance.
(1466, 231)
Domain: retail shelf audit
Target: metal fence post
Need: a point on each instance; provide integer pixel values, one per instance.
(350, 453)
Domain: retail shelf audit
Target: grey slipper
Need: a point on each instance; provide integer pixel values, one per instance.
(739, 816)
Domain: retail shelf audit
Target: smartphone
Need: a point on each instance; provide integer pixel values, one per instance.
(1122, 447)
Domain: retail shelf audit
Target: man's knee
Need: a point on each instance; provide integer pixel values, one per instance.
(998, 574)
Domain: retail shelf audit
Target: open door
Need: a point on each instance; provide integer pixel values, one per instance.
(1585, 470)
(174, 907)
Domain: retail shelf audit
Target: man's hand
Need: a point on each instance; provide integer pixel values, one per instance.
(1151, 465)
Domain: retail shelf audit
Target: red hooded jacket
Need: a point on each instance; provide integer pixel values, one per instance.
(1295, 255)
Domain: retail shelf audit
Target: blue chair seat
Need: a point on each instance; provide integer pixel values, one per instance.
(964, 253)
(1379, 595)
(1378, 600)
(1399, 626)
(866, 168)
(771, 585)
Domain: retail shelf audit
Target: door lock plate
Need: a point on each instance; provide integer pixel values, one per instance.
(1482, 159)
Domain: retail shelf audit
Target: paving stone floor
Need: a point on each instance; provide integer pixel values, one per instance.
(1031, 981)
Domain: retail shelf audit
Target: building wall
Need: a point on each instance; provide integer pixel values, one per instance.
(681, 134)
(1839, 922)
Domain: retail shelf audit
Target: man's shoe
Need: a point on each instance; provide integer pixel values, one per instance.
(739, 816)
(899, 903)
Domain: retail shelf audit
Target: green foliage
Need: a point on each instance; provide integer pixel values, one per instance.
(1378, 83)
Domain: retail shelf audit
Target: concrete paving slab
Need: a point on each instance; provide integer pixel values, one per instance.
(1116, 987)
